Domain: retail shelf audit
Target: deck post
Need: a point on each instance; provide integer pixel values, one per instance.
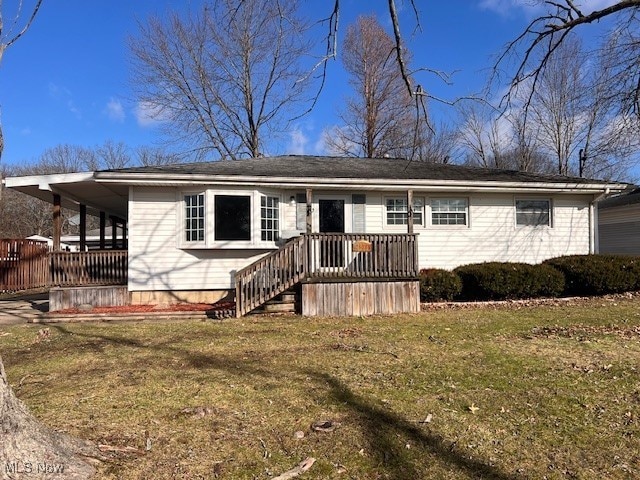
(83, 227)
(410, 211)
(103, 227)
(125, 239)
(309, 210)
(57, 222)
(114, 232)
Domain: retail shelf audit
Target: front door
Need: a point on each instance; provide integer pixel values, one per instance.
(331, 220)
(331, 216)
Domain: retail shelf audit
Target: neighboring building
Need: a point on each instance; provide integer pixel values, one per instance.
(619, 224)
(67, 247)
(92, 240)
(192, 227)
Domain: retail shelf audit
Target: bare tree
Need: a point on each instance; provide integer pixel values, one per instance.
(24, 438)
(480, 135)
(113, 155)
(10, 34)
(491, 139)
(64, 158)
(580, 124)
(557, 104)
(221, 79)
(380, 118)
(539, 42)
(147, 156)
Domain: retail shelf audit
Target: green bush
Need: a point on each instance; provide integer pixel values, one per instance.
(503, 281)
(437, 285)
(598, 274)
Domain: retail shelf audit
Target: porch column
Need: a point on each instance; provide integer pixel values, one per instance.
(103, 227)
(409, 211)
(57, 222)
(114, 233)
(309, 210)
(83, 227)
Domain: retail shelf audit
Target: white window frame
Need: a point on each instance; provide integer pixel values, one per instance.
(467, 221)
(421, 212)
(182, 219)
(549, 201)
(210, 242)
(274, 219)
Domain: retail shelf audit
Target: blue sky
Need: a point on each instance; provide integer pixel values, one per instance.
(68, 81)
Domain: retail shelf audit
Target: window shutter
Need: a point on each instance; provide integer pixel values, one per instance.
(301, 211)
(359, 201)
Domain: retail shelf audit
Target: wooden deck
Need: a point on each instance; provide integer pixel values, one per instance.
(329, 258)
(26, 265)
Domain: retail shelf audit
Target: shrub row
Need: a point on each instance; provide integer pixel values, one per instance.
(598, 274)
(581, 275)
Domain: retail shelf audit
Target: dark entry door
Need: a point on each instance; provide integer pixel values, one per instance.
(331, 216)
(331, 221)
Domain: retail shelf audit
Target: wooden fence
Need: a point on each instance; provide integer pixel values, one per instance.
(75, 269)
(23, 265)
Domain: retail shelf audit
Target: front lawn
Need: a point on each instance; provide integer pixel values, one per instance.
(526, 392)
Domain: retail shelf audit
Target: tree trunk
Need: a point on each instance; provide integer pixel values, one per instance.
(28, 449)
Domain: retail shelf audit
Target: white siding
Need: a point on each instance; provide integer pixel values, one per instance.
(492, 234)
(619, 229)
(156, 262)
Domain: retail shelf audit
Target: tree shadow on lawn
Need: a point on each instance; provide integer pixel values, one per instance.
(230, 364)
(387, 433)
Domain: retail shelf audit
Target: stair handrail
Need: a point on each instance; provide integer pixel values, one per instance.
(270, 275)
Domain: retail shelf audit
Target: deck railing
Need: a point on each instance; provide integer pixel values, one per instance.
(364, 256)
(325, 256)
(104, 267)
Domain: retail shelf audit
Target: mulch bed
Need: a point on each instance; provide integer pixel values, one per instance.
(178, 307)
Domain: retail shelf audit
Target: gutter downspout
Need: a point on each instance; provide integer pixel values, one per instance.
(594, 241)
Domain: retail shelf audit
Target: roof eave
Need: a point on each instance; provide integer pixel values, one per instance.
(342, 183)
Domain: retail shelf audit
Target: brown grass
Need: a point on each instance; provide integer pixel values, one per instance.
(534, 392)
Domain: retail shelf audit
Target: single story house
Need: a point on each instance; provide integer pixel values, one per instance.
(202, 230)
(619, 224)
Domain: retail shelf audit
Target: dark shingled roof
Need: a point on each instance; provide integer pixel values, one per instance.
(297, 166)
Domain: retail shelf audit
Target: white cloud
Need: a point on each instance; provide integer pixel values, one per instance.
(297, 142)
(505, 7)
(25, 131)
(149, 114)
(114, 110)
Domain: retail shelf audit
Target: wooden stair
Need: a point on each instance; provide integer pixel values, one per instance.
(285, 302)
(323, 257)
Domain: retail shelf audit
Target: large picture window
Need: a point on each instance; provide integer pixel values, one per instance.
(232, 217)
(449, 211)
(194, 217)
(533, 213)
(269, 215)
(397, 211)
